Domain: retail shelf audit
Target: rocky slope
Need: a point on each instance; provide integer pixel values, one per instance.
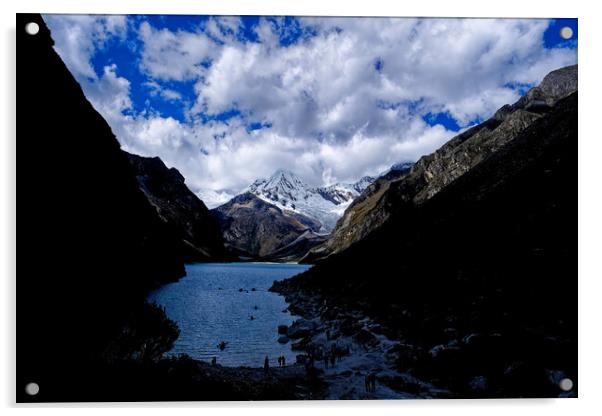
(358, 211)
(255, 229)
(481, 291)
(176, 205)
(434, 172)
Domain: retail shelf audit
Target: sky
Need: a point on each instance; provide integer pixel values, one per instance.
(228, 99)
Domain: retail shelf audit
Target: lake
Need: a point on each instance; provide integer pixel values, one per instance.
(209, 307)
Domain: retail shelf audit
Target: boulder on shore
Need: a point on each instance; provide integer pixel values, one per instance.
(301, 328)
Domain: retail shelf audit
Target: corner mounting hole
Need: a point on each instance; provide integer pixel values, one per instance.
(32, 389)
(566, 33)
(32, 28)
(566, 384)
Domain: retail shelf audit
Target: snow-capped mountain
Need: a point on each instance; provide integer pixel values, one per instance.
(325, 204)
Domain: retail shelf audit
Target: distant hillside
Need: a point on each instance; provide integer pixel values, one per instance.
(255, 229)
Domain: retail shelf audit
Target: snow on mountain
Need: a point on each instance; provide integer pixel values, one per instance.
(325, 204)
(363, 183)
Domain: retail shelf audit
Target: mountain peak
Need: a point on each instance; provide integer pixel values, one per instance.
(282, 180)
(289, 192)
(286, 177)
(560, 82)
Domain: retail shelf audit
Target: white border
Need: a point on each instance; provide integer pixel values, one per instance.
(590, 168)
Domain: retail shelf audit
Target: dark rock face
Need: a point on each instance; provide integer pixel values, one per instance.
(475, 266)
(94, 244)
(359, 212)
(255, 229)
(178, 207)
(434, 172)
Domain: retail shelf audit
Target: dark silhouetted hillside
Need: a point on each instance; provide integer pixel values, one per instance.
(90, 244)
(478, 281)
(179, 207)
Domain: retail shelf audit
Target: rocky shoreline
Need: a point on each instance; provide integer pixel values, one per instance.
(245, 383)
(405, 367)
(362, 348)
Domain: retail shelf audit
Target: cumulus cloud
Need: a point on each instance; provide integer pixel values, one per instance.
(338, 99)
(77, 37)
(157, 90)
(180, 55)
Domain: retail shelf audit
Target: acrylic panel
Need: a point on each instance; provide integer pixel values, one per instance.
(296, 208)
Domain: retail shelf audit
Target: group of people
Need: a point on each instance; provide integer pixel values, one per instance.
(282, 361)
(370, 382)
(328, 357)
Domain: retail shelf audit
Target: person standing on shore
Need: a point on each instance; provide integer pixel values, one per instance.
(266, 364)
(371, 382)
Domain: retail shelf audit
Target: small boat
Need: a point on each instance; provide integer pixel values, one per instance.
(222, 345)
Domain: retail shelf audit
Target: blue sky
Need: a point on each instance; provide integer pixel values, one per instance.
(229, 99)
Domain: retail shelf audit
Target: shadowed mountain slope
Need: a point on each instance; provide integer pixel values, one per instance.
(94, 244)
(179, 207)
(483, 269)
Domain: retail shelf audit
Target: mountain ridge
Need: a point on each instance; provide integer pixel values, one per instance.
(180, 208)
(433, 172)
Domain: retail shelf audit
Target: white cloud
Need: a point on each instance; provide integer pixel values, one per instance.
(77, 37)
(110, 94)
(176, 56)
(157, 90)
(333, 115)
